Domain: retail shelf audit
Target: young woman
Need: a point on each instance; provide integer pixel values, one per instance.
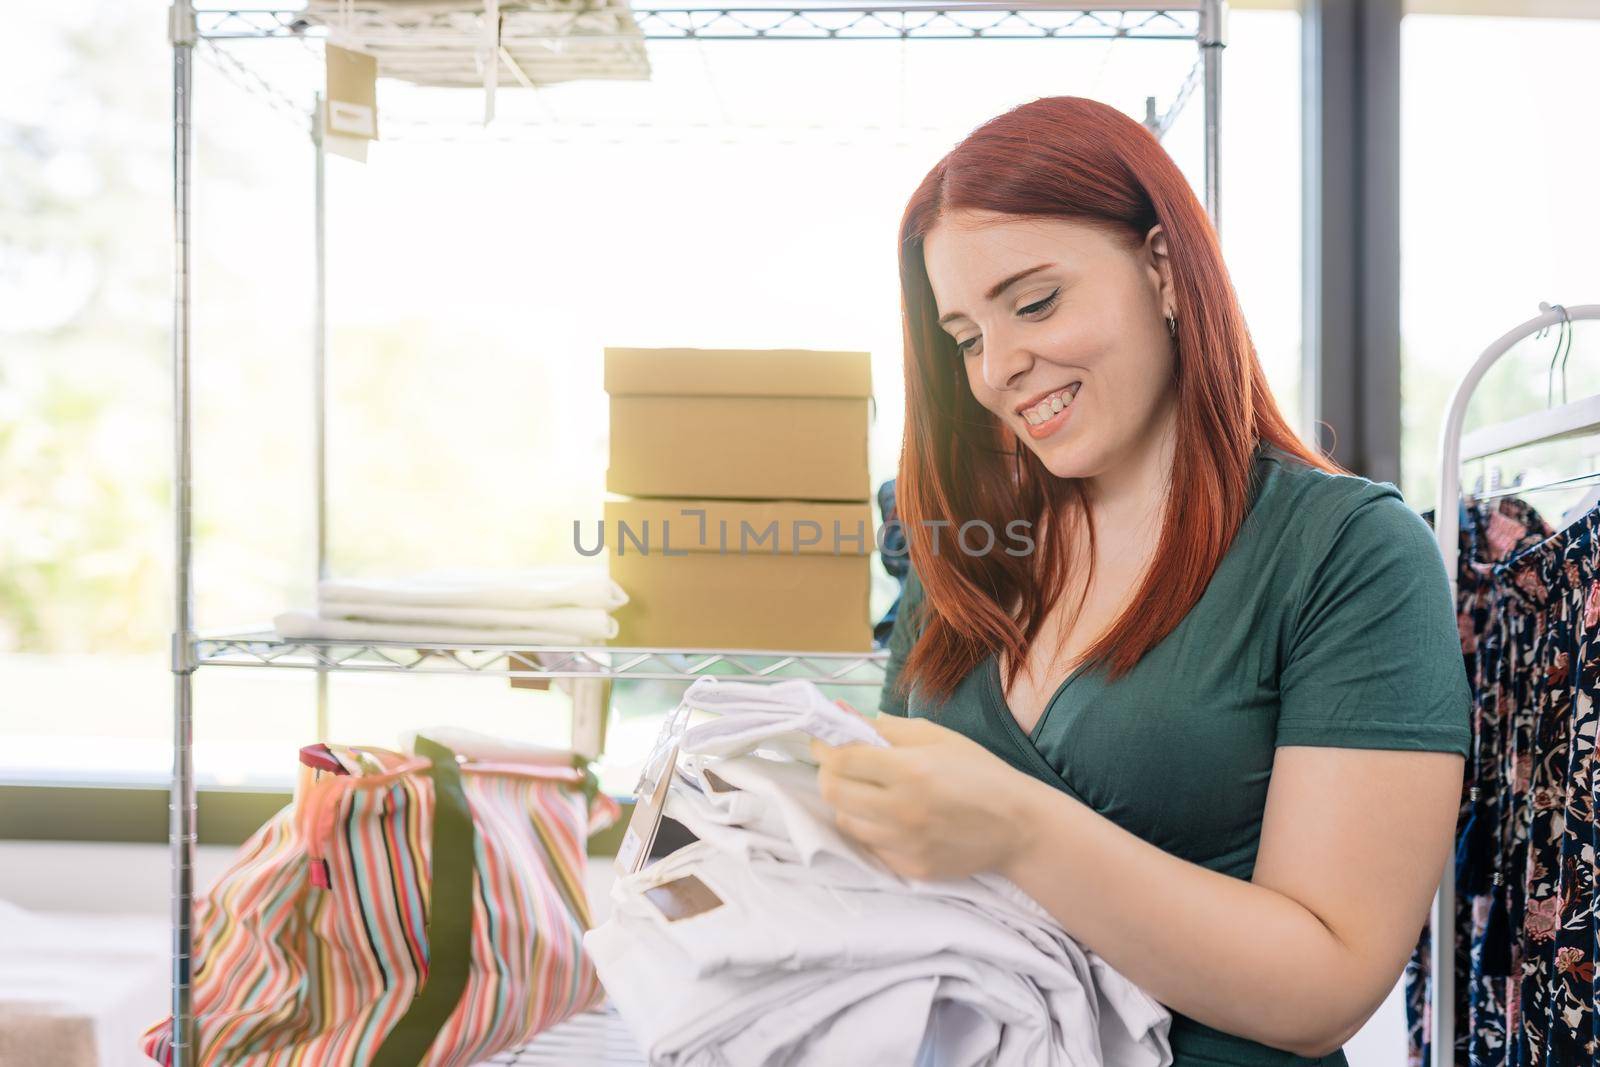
(1209, 709)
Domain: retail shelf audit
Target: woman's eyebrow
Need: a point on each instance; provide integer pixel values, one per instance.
(997, 288)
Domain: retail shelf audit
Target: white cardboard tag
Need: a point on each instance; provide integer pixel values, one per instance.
(649, 805)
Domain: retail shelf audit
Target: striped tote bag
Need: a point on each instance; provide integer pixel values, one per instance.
(403, 911)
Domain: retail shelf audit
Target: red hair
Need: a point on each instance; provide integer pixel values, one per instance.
(1066, 157)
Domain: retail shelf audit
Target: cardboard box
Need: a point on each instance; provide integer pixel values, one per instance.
(780, 424)
(757, 575)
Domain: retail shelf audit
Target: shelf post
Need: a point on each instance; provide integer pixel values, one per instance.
(181, 837)
(319, 380)
(1213, 39)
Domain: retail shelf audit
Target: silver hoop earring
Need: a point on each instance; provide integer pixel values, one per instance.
(1172, 324)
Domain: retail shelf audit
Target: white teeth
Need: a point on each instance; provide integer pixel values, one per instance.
(1050, 407)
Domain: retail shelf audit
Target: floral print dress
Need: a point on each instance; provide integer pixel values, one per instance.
(1525, 936)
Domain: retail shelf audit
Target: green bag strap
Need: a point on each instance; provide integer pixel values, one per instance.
(449, 921)
(590, 786)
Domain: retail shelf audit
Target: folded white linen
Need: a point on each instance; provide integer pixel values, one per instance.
(782, 716)
(532, 587)
(308, 626)
(786, 967)
(581, 622)
(813, 951)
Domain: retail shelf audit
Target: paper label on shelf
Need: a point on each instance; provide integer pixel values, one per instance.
(352, 93)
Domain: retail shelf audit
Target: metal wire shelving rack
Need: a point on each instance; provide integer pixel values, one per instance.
(190, 27)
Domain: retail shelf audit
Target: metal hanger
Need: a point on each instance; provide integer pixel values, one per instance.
(1559, 357)
(1563, 350)
(1488, 489)
(1560, 483)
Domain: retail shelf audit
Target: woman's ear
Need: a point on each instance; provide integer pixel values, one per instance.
(1159, 267)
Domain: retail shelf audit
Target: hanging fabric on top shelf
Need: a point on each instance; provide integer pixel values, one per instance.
(473, 44)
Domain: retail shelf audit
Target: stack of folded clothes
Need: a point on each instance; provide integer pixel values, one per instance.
(772, 938)
(538, 606)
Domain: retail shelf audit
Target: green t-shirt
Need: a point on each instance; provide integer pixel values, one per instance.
(1328, 622)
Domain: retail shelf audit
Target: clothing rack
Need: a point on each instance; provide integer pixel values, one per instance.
(1573, 419)
(189, 25)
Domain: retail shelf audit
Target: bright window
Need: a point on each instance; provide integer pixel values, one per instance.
(748, 197)
(1497, 215)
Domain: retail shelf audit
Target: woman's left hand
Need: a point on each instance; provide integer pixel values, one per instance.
(933, 805)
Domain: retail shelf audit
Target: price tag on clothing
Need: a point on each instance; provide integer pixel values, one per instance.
(651, 801)
(683, 898)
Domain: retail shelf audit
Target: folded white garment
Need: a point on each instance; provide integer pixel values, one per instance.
(783, 716)
(582, 622)
(797, 947)
(767, 809)
(533, 587)
(740, 807)
(802, 971)
(308, 626)
(875, 1013)
(756, 807)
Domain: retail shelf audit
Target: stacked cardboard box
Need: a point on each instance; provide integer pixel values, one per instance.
(750, 524)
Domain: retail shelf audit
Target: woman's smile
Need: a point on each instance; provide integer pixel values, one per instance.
(1048, 415)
